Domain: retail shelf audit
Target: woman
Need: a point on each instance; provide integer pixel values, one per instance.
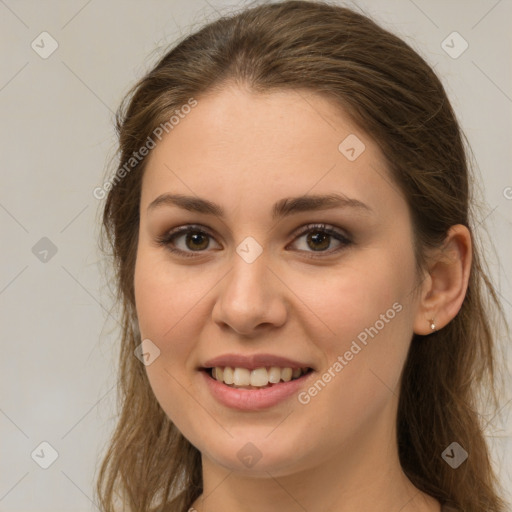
(299, 278)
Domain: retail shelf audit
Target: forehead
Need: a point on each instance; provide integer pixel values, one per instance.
(243, 148)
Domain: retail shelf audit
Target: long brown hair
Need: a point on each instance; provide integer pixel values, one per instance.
(393, 95)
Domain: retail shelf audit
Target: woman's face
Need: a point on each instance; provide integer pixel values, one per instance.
(257, 281)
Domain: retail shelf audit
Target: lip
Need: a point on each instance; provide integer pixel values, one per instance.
(254, 399)
(254, 361)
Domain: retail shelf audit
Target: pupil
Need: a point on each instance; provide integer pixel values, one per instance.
(318, 237)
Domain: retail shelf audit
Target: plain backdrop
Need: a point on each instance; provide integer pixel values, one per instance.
(59, 347)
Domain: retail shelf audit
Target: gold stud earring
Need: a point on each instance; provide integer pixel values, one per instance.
(432, 325)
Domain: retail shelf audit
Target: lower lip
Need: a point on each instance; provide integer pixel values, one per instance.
(254, 399)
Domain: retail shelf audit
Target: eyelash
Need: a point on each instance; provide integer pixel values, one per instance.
(167, 239)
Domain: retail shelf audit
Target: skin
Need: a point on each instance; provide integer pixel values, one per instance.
(245, 151)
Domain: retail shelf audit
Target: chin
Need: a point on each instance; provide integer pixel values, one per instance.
(258, 459)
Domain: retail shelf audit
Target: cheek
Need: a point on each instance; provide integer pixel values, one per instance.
(355, 296)
(167, 308)
(164, 297)
(364, 319)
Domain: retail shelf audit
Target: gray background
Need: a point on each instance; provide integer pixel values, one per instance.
(59, 343)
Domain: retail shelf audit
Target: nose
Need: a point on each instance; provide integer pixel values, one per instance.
(251, 298)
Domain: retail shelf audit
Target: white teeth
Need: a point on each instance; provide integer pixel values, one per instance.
(286, 374)
(218, 373)
(274, 375)
(259, 377)
(227, 375)
(241, 377)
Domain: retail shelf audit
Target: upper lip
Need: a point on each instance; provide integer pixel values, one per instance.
(253, 361)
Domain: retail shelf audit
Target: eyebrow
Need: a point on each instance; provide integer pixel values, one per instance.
(282, 208)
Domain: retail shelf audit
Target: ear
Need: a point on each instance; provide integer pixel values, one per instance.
(445, 285)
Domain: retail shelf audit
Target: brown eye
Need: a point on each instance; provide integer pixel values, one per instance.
(317, 240)
(186, 240)
(196, 240)
(319, 237)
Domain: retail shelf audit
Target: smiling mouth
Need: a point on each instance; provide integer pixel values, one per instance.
(259, 378)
